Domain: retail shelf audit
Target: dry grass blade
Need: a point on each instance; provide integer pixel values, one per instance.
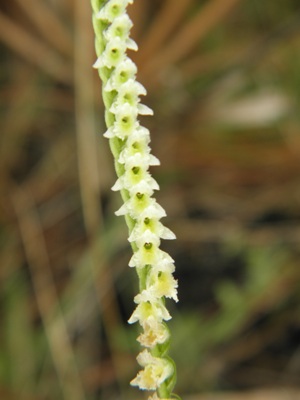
(47, 21)
(13, 130)
(164, 23)
(188, 37)
(85, 120)
(46, 295)
(33, 50)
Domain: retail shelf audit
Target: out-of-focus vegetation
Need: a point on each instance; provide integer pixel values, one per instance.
(223, 77)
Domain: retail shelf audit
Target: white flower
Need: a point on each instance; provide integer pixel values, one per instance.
(138, 204)
(113, 54)
(129, 92)
(125, 123)
(138, 144)
(140, 181)
(113, 9)
(135, 205)
(152, 224)
(120, 27)
(146, 310)
(136, 158)
(156, 371)
(152, 255)
(161, 284)
(124, 71)
(154, 332)
(145, 255)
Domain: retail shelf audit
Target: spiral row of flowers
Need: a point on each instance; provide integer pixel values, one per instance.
(129, 143)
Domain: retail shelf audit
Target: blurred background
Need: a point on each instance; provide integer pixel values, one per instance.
(223, 78)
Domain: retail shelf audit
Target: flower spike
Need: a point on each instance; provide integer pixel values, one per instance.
(129, 142)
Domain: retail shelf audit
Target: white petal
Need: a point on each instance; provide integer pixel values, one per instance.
(136, 160)
(140, 89)
(154, 210)
(153, 160)
(117, 186)
(145, 296)
(131, 45)
(98, 63)
(144, 110)
(123, 210)
(146, 186)
(148, 237)
(109, 133)
(154, 225)
(108, 86)
(167, 234)
(145, 357)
